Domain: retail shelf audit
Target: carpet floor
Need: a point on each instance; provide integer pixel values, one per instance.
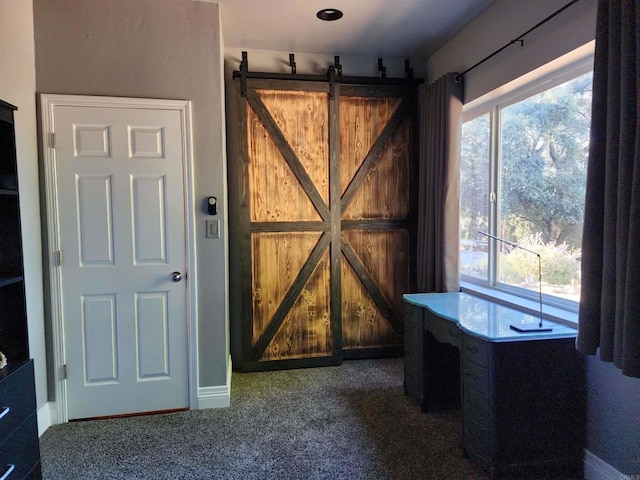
(347, 422)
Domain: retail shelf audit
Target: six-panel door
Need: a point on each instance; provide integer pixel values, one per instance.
(122, 227)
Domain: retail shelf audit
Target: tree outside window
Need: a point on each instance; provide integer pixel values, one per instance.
(538, 166)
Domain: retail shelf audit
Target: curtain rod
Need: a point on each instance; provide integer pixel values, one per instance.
(519, 39)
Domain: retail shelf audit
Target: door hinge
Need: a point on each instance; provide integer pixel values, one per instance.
(58, 258)
(63, 372)
(53, 140)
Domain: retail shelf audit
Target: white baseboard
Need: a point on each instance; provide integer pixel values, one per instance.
(218, 396)
(208, 397)
(46, 417)
(597, 469)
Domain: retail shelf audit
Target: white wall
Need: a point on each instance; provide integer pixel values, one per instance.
(214, 304)
(18, 87)
(504, 21)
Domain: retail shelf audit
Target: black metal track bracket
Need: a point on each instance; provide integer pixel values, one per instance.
(338, 78)
(292, 64)
(408, 69)
(336, 64)
(332, 81)
(244, 70)
(382, 69)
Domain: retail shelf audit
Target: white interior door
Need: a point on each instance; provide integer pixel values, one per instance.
(121, 214)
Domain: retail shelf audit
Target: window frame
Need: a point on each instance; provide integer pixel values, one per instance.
(561, 70)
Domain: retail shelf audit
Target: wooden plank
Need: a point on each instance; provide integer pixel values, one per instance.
(385, 256)
(362, 120)
(289, 155)
(306, 331)
(385, 192)
(244, 231)
(364, 326)
(274, 191)
(302, 119)
(375, 91)
(336, 236)
(376, 224)
(289, 299)
(372, 157)
(371, 286)
(257, 227)
(277, 259)
(288, 85)
(287, 364)
(343, 79)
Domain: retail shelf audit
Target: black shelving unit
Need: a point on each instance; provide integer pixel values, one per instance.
(19, 448)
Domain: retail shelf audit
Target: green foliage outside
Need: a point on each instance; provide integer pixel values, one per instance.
(560, 263)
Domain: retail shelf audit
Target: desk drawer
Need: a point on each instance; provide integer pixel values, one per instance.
(477, 441)
(444, 331)
(475, 377)
(476, 407)
(17, 399)
(412, 316)
(20, 451)
(475, 351)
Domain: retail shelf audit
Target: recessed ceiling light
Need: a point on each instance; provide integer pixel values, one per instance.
(329, 14)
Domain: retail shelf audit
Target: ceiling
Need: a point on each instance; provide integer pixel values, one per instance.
(376, 28)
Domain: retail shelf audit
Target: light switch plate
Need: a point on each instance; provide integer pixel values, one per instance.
(213, 228)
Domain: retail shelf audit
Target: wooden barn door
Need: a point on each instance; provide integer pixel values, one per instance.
(324, 206)
(376, 147)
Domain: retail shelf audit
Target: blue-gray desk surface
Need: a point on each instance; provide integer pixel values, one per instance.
(485, 319)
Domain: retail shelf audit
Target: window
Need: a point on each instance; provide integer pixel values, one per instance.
(523, 179)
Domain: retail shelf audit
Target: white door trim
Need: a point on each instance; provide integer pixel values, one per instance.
(47, 104)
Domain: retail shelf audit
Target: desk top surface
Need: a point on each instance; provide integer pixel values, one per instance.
(486, 319)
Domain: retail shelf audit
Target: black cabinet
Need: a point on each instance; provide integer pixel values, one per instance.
(19, 449)
(523, 406)
(431, 359)
(413, 351)
(522, 397)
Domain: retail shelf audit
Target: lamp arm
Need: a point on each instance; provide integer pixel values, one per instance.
(515, 245)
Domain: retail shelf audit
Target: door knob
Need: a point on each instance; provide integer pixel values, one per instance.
(176, 276)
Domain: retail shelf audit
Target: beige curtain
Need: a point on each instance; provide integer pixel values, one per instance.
(439, 185)
(609, 317)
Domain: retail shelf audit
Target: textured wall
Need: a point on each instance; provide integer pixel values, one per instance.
(156, 49)
(504, 21)
(613, 401)
(17, 86)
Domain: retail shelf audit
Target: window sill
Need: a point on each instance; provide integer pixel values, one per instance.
(555, 314)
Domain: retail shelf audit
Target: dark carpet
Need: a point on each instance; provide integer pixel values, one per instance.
(346, 422)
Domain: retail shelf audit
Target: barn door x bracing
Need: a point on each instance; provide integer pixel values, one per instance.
(325, 221)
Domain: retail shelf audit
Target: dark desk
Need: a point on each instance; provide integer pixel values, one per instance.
(522, 394)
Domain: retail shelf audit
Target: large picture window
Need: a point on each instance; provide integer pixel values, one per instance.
(523, 178)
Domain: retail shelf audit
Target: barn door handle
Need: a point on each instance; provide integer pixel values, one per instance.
(176, 276)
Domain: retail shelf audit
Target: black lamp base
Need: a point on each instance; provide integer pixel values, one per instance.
(530, 328)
